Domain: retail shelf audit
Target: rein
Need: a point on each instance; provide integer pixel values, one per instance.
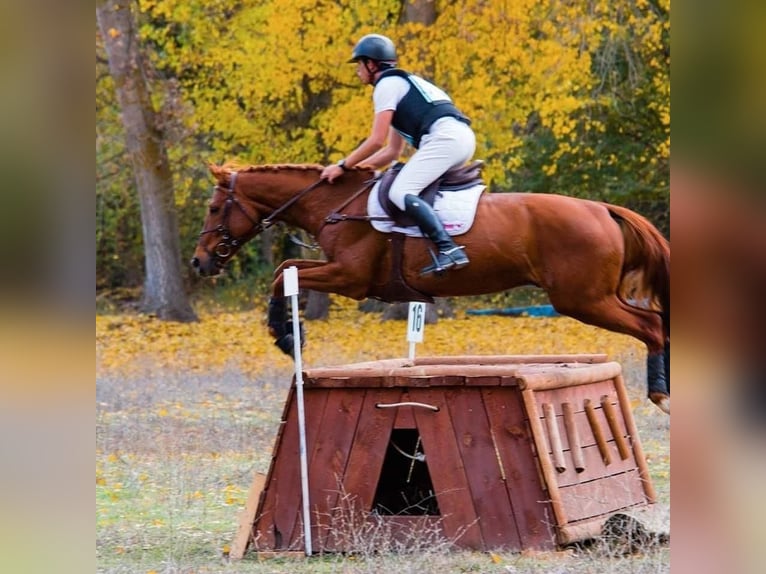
(336, 217)
(229, 243)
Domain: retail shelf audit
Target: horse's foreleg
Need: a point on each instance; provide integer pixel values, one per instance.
(279, 326)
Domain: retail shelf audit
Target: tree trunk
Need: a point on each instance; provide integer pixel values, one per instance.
(164, 292)
(421, 11)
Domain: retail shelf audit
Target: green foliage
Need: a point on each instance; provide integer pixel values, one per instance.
(565, 97)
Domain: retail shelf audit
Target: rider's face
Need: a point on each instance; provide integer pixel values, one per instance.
(365, 70)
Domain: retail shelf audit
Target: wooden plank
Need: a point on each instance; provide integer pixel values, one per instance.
(405, 418)
(510, 359)
(328, 456)
(247, 517)
(594, 466)
(515, 448)
(365, 463)
(282, 502)
(263, 535)
(603, 496)
(485, 476)
(638, 451)
(445, 466)
(548, 472)
(445, 374)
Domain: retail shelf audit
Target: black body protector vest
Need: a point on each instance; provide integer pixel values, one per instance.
(417, 111)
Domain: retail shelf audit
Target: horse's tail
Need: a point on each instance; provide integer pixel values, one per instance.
(646, 267)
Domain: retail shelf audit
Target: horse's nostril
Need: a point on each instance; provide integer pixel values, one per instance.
(195, 262)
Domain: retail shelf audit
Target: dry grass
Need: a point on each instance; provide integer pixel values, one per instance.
(186, 415)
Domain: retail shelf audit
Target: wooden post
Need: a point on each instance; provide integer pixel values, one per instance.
(611, 418)
(598, 432)
(575, 445)
(545, 464)
(638, 451)
(557, 451)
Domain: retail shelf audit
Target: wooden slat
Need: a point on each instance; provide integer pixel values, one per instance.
(365, 463)
(247, 517)
(263, 532)
(405, 418)
(638, 451)
(445, 466)
(602, 496)
(328, 457)
(510, 359)
(594, 466)
(277, 519)
(541, 445)
(477, 449)
(513, 438)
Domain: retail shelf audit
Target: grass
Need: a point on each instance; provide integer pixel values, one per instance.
(187, 413)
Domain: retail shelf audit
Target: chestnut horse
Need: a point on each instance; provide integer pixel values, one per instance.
(594, 260)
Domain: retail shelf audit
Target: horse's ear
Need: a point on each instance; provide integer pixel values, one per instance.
(216, 170)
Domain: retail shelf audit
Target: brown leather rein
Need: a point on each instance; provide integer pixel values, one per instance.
(229, 243)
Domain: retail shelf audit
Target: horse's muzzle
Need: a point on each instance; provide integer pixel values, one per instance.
(207, 268)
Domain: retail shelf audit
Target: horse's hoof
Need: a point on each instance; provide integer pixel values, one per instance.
(662, 401)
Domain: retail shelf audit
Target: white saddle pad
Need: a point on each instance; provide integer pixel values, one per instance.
(456, 209)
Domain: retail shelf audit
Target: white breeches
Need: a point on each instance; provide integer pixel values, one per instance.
(449, 143)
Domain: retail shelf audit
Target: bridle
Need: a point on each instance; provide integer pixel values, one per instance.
(228, 243)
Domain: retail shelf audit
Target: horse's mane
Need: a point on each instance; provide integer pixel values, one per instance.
(221, 172)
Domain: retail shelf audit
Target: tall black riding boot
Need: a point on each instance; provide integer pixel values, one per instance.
(450, 256)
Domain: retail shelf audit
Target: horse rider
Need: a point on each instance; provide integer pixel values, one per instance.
(409, 108)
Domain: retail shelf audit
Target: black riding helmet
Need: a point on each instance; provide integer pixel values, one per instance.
(374, 47)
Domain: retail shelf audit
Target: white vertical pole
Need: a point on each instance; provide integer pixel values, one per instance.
(416, 321)
(290, 276)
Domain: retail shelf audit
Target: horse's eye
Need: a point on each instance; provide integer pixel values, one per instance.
(214, 210)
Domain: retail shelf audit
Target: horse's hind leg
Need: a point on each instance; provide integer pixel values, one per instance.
(613, 314)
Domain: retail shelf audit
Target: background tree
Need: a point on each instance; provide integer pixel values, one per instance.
(565, 97)
(163, 286)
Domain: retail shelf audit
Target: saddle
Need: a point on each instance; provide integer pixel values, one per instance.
(455, 179)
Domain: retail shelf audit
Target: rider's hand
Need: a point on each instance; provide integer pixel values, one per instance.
(331, 172)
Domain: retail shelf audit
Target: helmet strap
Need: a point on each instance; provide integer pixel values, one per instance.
(372, 72)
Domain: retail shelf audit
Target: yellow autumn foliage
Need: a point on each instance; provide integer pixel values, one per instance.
(133, 345)
(268, 80)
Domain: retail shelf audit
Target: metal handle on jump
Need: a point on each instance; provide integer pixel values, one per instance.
(406, 404)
